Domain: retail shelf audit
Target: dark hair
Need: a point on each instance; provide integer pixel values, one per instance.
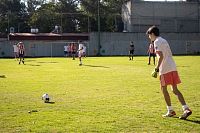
(153, 29)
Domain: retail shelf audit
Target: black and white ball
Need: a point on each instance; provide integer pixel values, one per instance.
(45, 98)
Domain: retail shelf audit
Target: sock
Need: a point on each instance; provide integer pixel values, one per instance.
(169, 108)
(185, 107)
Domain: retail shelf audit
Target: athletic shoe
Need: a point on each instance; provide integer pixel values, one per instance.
(169, 114)
(185, 114)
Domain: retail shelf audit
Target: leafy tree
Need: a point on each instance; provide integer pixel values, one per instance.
(68, 10)
(32, 5)
(12, 14)
(64, 13)
(110, 11)
(44, 18)
(71, 15)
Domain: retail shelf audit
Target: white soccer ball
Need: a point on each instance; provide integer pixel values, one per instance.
(45, 98)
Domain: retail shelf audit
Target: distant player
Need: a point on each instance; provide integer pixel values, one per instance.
(73, 50)
(80, 52)
(131, 51)
(65, 51)
(16, 51)
(151, 53)
(168, 72)
(21, 52)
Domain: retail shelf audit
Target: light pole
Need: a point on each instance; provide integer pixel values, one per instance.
(8, 15)
(99, 41)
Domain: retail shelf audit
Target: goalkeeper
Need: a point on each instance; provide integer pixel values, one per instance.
(166, 68)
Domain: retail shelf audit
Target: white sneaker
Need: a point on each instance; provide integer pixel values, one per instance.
(185, 114)
(169, 114)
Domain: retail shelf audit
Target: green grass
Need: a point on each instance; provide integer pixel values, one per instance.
(106, 94)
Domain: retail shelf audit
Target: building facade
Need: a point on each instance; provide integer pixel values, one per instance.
(176, 17)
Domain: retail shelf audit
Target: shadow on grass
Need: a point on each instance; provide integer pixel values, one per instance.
(48, 62)
(96, 66)
(2, 76)
(193, 121)
(33, 65)
(183, 66)
(50, 102)
(29, 60)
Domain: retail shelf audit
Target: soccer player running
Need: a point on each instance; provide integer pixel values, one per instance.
(21, 52)
(80, 52)
(168, 72)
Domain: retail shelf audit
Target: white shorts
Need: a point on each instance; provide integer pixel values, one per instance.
(80, 54)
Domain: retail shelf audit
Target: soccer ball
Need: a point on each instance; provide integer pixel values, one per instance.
(45, 98)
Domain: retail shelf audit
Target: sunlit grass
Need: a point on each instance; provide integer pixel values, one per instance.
(106, 94)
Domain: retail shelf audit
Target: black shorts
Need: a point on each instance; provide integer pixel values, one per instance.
(21, 55)
(131, 52)
(152, 54)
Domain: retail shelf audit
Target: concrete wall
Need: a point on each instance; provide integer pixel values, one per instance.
(169, 16)
(111, 44)
(118, 43)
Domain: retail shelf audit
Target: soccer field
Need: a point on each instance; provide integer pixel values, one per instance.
(105, 94)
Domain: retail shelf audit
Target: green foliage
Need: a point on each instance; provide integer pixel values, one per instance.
(109, 14)
(12, 13)
(72, 15)
(106, 94)
(32, 5)
(44, 18)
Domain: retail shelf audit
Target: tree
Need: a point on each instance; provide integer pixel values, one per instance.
(110, 11)
(71, 15)
(68, 10)
(32, 5)
(12, 13)
(64, 14)
(44, 18)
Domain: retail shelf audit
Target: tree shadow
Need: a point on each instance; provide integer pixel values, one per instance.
(96, 66)
(2, 76)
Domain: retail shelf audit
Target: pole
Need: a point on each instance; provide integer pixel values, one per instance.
(199, 14)
(99, 41)
(88, 24)
(8, 20)
(61, 28)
